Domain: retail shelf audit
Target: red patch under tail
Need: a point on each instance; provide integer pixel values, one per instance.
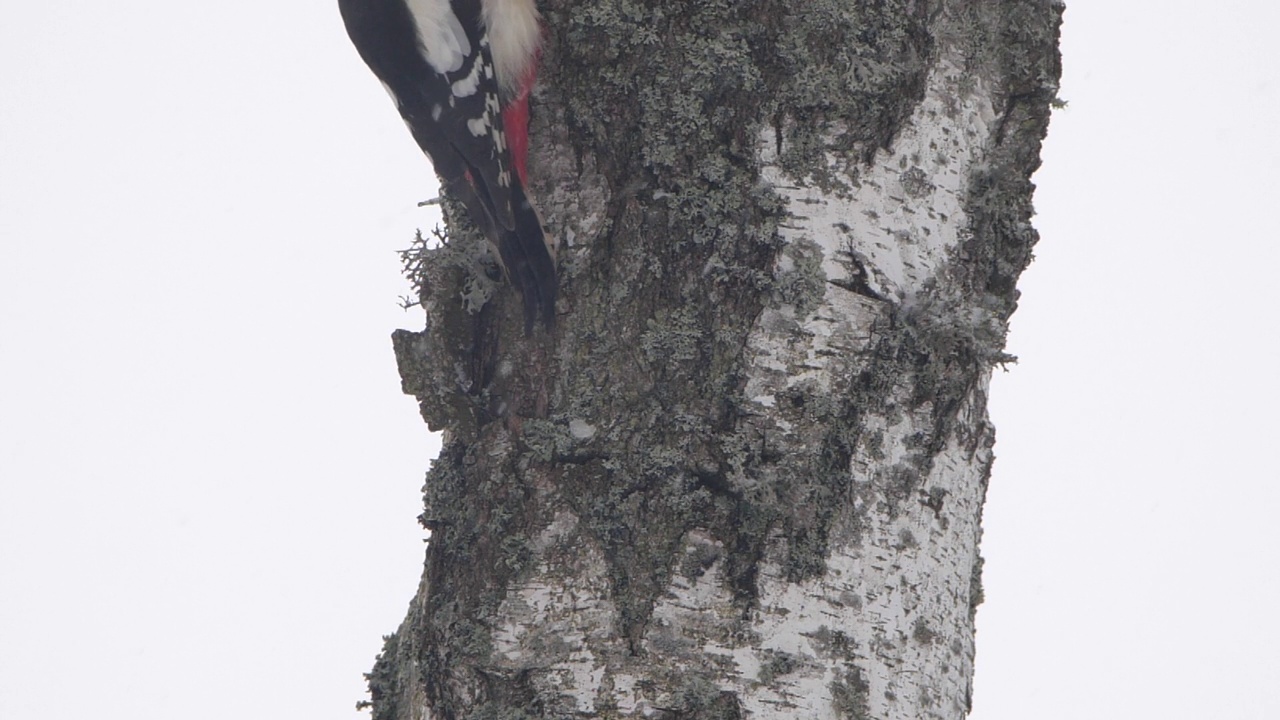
(515, 119)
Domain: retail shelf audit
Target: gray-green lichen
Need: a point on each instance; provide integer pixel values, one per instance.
(778, 664)
(631, 413)
(849, 696)
(384, 682)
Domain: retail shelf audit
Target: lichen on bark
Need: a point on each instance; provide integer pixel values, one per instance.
(743, 475)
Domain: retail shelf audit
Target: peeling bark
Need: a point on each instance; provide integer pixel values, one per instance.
(744, 476)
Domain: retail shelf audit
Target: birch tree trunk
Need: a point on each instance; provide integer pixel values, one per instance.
(744, 475)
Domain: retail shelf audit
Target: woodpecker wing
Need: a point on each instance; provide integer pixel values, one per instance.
(433, 57)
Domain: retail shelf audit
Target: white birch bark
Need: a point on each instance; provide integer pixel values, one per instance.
(669, 509)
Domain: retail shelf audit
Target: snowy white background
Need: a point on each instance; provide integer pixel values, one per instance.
(208, 476)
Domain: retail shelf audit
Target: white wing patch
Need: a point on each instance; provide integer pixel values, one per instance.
(441, 39)
(467, 86)
(492, 110)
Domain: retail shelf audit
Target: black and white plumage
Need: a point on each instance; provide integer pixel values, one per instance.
(459, 72)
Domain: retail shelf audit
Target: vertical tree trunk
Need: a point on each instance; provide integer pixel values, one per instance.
(744, 476)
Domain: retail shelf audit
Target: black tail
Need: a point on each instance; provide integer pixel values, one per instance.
(523, 248)
(526, 253)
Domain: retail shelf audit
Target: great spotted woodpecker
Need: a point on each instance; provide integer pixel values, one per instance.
(460, 72)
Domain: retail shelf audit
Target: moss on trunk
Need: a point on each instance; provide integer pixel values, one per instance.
(634, 417)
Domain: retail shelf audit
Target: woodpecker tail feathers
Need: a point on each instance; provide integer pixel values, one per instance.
(526, 253)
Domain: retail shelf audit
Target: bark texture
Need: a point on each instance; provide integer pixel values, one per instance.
(744, 475)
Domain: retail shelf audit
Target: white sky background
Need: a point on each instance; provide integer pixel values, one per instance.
(209, 477)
